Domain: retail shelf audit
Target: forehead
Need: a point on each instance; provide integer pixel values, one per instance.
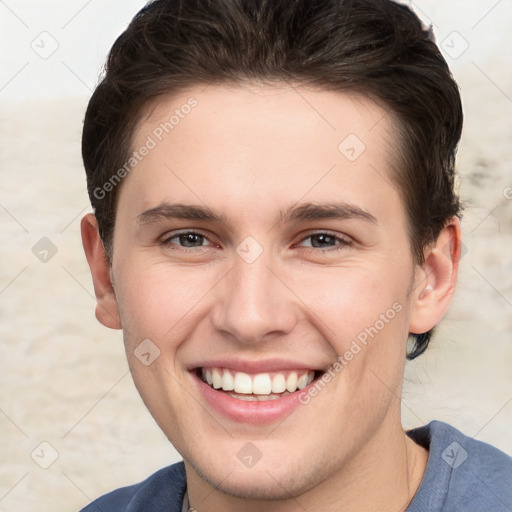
(266, 108)
(265, 145)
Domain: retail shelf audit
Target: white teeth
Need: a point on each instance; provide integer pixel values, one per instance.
(243, 383)
(245, 398)
(257, 398)
(278, 383)
(217, 378)
(261, 386)
(291, 382)
(228, 382)
(302, 382)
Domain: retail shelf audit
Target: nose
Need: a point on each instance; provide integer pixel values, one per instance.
(253, 303)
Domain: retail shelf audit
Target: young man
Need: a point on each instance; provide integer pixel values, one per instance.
(274, 219)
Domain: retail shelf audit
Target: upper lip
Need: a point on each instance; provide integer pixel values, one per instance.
(252, 366)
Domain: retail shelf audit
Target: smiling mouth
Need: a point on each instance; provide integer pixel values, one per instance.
(259, 387)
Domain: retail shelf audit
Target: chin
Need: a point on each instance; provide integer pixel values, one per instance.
(262, 483)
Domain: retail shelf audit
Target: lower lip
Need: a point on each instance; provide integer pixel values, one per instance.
(243, 411)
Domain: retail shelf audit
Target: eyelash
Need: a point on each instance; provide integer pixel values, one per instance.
(167, 241)
(343, 242)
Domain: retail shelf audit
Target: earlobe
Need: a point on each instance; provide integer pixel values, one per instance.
(106, 304)
(435, 280)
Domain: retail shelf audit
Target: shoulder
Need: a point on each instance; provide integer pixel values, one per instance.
(462, 473)
(164, 490)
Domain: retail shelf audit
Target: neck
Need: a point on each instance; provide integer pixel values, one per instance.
(384, 475)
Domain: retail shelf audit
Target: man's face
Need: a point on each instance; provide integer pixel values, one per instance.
(283, 246)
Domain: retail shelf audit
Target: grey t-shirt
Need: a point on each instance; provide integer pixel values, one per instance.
(462, 475)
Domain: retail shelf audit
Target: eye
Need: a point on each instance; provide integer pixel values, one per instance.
(325, 241)
(187, 240)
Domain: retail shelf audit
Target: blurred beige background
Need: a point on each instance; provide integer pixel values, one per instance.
(64, 379)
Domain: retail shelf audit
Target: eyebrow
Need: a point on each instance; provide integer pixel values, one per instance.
(336, 211)
(180, 211)
(294, 213)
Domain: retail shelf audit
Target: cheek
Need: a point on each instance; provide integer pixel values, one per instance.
(363, 317)
(349, 299)
(157, 300)
(362, 314)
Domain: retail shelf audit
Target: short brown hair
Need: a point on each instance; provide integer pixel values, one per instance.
(375, 47)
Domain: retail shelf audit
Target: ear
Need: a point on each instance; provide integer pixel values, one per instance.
(106, 303)
(435, 280)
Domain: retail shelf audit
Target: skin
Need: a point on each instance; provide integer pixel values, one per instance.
(250, 152)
